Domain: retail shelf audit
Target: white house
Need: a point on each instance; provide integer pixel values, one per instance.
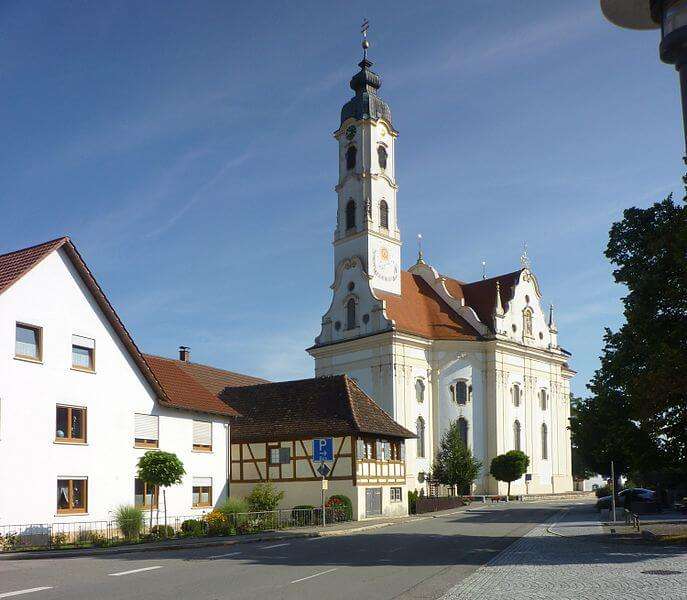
(431, 349)
(79, 403)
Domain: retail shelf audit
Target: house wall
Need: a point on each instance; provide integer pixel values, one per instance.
(53, 297)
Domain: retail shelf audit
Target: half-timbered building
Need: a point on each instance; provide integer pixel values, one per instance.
(273, 441)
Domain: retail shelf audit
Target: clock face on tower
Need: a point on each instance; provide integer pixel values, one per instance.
(385, 266)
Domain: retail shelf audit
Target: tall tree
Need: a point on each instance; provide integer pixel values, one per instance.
(454, 464)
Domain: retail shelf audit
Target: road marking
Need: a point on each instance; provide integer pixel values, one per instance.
(133, 571)
(27, 591)
(223, 555)
(315, 575)
(275, 546)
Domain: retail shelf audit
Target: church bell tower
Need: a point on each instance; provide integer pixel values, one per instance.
(367, 216)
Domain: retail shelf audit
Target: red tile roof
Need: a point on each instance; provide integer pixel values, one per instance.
(420, 311)
(321, 406)
(14, 265)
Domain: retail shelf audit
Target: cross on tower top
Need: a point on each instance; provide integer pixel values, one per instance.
(365, 44)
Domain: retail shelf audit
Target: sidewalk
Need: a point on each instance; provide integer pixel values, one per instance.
(265, 536)
(571, 556)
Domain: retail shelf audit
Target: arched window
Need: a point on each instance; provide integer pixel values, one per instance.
(461, 392)
(516, 435)
(420, 430)
(544, 442)
(351, 153)
(384, 214)
(382, 155)
(463, 430)
(527, 322)
(350, 215)
(350, 314)
(515, 393)
(543, 398)
(420, 390)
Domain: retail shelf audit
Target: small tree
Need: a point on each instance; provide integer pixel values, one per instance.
(509, 466)
(162, 470)
(454, 464)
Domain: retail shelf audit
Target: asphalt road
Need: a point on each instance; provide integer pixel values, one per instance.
(420, 559)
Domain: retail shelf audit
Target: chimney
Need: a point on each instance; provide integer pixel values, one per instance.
(185, 353)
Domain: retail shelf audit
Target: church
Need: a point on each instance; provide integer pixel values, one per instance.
(432, 349)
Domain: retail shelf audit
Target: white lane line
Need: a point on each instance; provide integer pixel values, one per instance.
(223, 555)
(22, 592)
(133, 571)
(315, 575)
(275, 546)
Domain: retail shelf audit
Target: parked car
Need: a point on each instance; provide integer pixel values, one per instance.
(636, 495)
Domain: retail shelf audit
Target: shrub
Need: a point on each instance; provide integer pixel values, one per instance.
(194, 528)
(162, 531)
(603, 491)
(130, 521)
(342, 505)
(413, 495)
(219, 524)
(59, 539)
(264, 496)
(232, 506)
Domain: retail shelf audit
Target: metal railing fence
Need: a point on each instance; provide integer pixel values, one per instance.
(83, 534)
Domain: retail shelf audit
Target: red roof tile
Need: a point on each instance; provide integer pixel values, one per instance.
(14, 265)
(420, 311)
(321, 406)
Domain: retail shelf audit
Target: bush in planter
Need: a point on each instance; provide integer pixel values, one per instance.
(219, 524)
(263, 497)
(194, 528)
(342, 505)
(130, 521)
(162, 531)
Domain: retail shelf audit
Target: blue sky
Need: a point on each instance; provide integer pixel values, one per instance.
(186, 148)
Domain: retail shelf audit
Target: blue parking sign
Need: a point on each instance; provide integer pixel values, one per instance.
(323, 449)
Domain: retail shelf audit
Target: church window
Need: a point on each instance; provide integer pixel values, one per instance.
(517, 430)
(337, 325)
(384, 214)
(420, 430)
(382, 155)
(420, 390)
(527, 322)
(351, 154)
(544, 442)
(461, 392)
(463, 431)
(350, 314)
(366, 318)
(350, 215)
(515, 393)
(543, 398)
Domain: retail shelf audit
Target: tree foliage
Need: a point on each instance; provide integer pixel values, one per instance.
(454, 464)
(509, 466)
(637, 415)
(159, 468)
(264, 496)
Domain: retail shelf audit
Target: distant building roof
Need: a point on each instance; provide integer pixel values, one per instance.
(321, 406)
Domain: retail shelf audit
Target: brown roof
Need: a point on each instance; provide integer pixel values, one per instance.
(184, 390)
(420, 311)
(174, 386)
(322, 406)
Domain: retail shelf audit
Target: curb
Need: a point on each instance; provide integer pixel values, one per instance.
(83, 552)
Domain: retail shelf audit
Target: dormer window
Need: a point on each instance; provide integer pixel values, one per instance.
(350, 215)
(382, 155)
(384, 214)
(351, 154)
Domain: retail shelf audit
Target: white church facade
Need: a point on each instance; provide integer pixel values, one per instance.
(430, 349)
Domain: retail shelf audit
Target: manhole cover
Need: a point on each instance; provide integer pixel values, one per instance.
(661, 572)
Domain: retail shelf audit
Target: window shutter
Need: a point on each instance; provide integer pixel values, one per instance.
(146, 427)
(84, 342)
(403, 450)
(360, 449)
(202, 482)
(202, 433)
(284, 456)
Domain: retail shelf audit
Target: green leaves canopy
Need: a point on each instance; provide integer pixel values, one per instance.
(509, 466)
(160, 468)
(454, 463)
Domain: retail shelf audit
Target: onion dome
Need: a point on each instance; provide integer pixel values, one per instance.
(366, 104)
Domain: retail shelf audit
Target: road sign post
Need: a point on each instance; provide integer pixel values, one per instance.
(324, 470)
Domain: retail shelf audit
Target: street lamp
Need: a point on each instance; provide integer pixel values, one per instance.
(671, 17)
